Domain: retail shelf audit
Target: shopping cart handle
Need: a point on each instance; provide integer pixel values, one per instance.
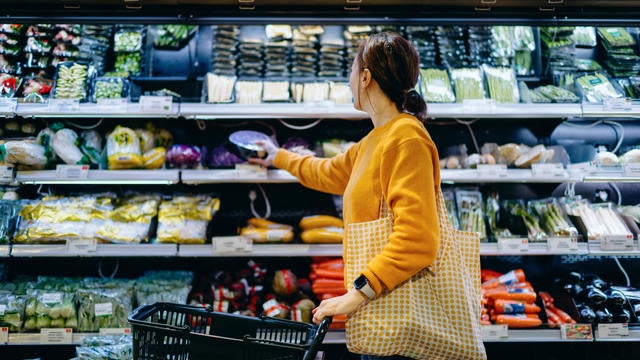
(321, 331)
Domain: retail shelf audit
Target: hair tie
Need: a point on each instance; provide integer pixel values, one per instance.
(410, 90)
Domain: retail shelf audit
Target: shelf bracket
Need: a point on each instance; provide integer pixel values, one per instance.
(352, 5)
(71, 4)
(246, 5)
(133, 4)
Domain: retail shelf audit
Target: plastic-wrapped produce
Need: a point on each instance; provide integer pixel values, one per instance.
(184, 219)
(12, 314)
(219, 88)
(64, 143)
(183, 156)
(91, 146)
(8, 211)
(130, 221)
(501, 82)
(163, 286)
(597, 87)
(24, 152)
(436, 86)
(102, 347)
(123, 149)
(73, 81)
(50, 308)
(553, 218)
(470, 212)
(104, 304)
(468, 83)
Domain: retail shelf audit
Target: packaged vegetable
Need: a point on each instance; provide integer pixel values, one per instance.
(64, 144)
(184, 219)
(501, 82)
(23, 153)
(183, 156)
(154, 158)
(104, 305)
(12, 314)
(123, 149)
(468, 83)
(597, 87)
(436, 86)
(91, 146)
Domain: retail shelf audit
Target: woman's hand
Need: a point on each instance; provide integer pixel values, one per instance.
(340, 305)
(271, 149)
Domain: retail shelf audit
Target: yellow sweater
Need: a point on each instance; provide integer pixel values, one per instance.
(397, 161)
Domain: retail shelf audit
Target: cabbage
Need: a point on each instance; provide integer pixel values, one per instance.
(183, 156)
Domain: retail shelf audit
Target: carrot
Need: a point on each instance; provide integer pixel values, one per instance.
(545, 297)
(513, 276)
(487, 274)
(503, 306)
(564, 317)
(518, 321)
(328, 273)
(329, 264)
(552, 318)
(517, 294)
(328, 290)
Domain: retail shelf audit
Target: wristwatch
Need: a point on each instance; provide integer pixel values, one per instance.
(361, 283)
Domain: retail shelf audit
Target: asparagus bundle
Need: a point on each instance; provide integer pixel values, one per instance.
(552, 218)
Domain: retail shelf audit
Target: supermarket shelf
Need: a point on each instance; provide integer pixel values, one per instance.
(129, 110)
(226, 176)
(492, 249)
(264, 250)
(5, 250)
(270, 111)
(34, 338)
(517, 335)
(489, 109)
(596, 250)
(96, 177)
(621, 108)
(509, 176)
(102, 250)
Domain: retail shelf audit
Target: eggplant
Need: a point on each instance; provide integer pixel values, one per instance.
(603, 316)
(587, 315)
(615, 299)
(593, 296)
(621, 316)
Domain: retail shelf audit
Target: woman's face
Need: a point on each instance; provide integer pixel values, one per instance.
(354, 84)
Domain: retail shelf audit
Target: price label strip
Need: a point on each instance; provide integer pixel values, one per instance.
(580, 332)
(72, 172)
(231, 244)
(551, 170)
(617, 242)
(6, 173)
(632, 169)
(495, 332)
(612, 331)
(114, 331)
(56, 336)
(8, 105)
(4, 335)
(81, 246)
(497, 170)
(617, 104)
(249, 171)
(113, 105)
(560, 244)
(513, 244)
(156, 104)
(64, 105)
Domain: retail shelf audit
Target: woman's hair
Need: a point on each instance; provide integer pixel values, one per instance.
(395, 65)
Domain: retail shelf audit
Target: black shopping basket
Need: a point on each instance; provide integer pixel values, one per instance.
(178, 332)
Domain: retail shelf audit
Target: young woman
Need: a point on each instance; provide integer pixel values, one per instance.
(393, 170)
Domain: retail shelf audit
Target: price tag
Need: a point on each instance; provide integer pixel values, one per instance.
(81, 246)
(576, 332)
(552, 169)
(64, 105)
(495, 332)
(617, 242)
(513, 244)
(72, 172)
(103, 309)
(227, 244)
(6, 173)
(114, 331)
(4, 335)
(251, 171)
(155, 103)
(113, 105)
(51, 298)
(632, 169)
(477, 104)
(612, 331)
(497, 170)
(562, 244)
(56, 336)
(587, 167)
(8, 105)
(617, 104)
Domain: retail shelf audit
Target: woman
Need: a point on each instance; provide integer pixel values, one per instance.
(393, 168)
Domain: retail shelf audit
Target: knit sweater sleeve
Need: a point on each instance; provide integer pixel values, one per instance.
(328, 175)
(409, 177)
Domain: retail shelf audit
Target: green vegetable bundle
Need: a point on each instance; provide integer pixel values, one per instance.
(173, 36)
(556, 94)
(104, 304)
(12, 311)
(552, 218)
(468, 84)
(501, 82)
(596, 87)
(436, 86)
(71, 81)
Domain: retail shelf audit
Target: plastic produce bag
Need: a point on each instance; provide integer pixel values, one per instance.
(64, 143)
(468, 83)
(50, 308)
(23, 152)
(436, 86)
(91, 146)
(12, 311)
(104, 305)
(123, 149)
(184, 219)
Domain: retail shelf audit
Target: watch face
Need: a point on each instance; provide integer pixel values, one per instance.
(360, 282)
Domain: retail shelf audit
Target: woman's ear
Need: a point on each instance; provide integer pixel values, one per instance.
(365, 78)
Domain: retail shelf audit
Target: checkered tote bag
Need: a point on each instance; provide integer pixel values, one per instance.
(433, 315)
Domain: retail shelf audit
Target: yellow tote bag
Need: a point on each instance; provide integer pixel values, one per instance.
(435, 314)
